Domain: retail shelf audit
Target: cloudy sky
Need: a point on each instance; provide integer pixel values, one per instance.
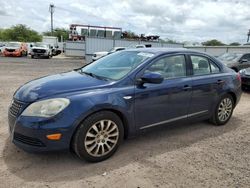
(181, 20)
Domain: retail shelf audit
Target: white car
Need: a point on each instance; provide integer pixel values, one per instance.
(140, 46)
(2, 47)
(41, 50)
(98, 55)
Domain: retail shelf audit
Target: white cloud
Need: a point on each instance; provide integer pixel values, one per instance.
(182, 20)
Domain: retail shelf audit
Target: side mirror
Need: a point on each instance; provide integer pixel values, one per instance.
(243, 60)
(152, 77)
(51, 47)
(31, 45)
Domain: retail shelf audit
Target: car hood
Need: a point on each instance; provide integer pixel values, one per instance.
(229, 63)
(57, 84)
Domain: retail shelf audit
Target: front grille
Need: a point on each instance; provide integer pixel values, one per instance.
(16, 107)
(28, 140)
(10, 50)
(39, 51)
(245, 79)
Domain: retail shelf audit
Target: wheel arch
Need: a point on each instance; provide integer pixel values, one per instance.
(234, 97)
(121, 115)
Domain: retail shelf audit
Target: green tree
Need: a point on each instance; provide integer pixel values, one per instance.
(213, 42)
(20, 33)
(58, 32)
(234, 44)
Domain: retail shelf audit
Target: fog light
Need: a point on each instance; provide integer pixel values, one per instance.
(56, 136)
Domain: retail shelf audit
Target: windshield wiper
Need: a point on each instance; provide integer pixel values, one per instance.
(94, 75)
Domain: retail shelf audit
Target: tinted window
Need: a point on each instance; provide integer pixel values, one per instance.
(169, 67)
(202, 66)
(247, 56)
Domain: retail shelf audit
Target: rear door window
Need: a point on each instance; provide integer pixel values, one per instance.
(203, 66)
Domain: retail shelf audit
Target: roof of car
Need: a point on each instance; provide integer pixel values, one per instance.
(163, 50)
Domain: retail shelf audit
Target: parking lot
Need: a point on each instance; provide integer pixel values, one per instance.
(186, 155)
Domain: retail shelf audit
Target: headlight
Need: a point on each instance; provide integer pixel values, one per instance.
(46, 108)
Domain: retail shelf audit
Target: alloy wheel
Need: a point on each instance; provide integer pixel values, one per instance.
(101, 138)
(225, 109)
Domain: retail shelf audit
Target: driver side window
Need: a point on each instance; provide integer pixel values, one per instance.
(169, 67)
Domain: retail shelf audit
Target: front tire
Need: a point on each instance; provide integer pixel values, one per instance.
(223, 110)
(98, 136)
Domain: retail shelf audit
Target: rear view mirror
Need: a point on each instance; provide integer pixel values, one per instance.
(152, 77)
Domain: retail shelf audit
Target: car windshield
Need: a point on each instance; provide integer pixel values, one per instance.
(227, 57)
(13, 44)
(41, 45)
(117, 65)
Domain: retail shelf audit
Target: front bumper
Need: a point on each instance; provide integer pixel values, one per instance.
(29, 133)
(15, 53)
(39, 54)
(245, 81)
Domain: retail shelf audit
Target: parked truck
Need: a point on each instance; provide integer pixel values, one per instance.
(53, 42)
(41, 50)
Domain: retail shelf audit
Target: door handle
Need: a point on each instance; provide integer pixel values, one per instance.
(187, 87)
(220, 82)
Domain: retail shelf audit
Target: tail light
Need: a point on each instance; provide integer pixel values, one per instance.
(239, 77)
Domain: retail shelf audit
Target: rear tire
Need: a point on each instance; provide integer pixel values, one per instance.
(223, 110)
(98, 136)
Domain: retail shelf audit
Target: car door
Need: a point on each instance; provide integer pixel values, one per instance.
(165, 102)
(206, 84)
(246, 63)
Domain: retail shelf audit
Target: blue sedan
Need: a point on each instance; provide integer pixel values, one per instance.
(90, 110)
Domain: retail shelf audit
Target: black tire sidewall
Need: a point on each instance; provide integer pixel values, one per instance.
(79, 137)
(216, 118)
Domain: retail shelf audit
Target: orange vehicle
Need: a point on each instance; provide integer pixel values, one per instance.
(16, 49)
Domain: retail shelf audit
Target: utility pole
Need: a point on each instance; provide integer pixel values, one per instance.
(248, 35)
(51, 10)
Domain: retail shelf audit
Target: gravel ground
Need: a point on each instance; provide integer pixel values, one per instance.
(187, 155)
